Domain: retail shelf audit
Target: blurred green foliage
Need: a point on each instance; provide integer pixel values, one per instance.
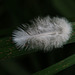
(16, 12)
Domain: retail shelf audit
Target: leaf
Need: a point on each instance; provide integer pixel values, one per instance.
(58, 66)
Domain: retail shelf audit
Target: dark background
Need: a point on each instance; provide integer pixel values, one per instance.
(16, 12)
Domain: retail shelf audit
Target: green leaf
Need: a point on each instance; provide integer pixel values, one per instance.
(58, 66)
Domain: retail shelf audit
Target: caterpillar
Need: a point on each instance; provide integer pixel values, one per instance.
(43, 34)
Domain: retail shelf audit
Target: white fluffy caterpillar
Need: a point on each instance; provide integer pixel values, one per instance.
(44, 33)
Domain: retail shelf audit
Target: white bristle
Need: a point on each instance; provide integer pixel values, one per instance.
(44, 33)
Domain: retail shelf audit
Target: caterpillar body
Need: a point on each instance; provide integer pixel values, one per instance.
(44, 34)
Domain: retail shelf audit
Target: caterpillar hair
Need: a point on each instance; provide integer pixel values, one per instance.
(43, 34)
